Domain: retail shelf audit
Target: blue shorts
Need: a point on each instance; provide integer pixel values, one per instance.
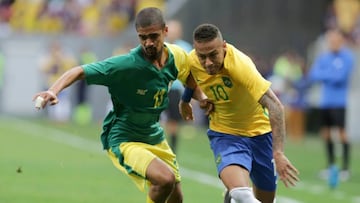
(253, 153)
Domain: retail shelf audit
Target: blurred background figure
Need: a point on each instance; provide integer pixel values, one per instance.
(5, 15)
(80, 17)
(2, 70)
(171, 117)
(347, 19)
(289, 84)
(140, 4)
(52, 65)
(175, 35)
(333, 69)
(83, 113)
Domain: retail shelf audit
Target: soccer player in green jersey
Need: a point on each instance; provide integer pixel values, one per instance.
(138, 83)
(247, 127)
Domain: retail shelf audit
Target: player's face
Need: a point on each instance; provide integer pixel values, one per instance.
(211, 55)
(335, 40)
(152, 40)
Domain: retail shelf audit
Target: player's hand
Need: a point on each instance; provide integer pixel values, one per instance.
(47, 97)
(207, 105)
(185, 109)
(287, 173)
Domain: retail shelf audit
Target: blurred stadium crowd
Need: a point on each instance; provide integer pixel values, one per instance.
(80, 17)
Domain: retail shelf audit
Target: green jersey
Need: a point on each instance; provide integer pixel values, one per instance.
(139, 93)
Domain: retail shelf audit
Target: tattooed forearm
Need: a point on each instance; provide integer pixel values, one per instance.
(277, 119)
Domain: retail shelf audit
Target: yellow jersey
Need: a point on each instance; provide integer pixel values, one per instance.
(235, 91)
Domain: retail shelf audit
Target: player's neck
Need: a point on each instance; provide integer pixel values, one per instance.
(161, 60)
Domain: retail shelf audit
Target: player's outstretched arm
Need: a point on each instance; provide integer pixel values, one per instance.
(50, 96)
(286, 171)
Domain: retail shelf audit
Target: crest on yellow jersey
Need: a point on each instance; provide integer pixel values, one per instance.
(227, 82)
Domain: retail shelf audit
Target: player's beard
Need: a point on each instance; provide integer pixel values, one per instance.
(152, 53)
(213, 69)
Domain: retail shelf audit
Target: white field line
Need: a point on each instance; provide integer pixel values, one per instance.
(96, 147)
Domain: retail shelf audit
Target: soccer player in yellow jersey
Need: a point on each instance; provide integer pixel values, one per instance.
(247, 127)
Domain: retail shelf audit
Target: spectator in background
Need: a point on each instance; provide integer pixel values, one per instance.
(83, 113)
(52, 65)
(333, 70)
(171, 116)
(345, 15)
(140, 4)
(70, 15)
(5, 15)
(25, 15)
(288, 83)
(89, 18)
(175, 35)
(2, 69)
(118, 14)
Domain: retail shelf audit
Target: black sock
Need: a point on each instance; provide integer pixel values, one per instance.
(346, 155)
(330, 152)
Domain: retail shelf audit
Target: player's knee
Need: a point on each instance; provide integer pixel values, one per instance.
(167, 180)
(242, 195)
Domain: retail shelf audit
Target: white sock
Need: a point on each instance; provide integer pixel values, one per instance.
(242, 195)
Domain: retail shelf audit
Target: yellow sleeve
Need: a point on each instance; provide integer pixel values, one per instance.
(181, 62)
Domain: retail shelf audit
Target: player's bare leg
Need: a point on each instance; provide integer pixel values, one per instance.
(235, 176)
(263, 196)
(325, 133)
(236, 179)
(162, 181)
(176, 196)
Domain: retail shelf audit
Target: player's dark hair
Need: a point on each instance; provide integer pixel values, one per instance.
(206, 33)
(149, 16)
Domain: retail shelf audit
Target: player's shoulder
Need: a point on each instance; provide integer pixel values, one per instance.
(235, 51)
(236, 57)
(175, 49)
(179, 54)
(133, 56)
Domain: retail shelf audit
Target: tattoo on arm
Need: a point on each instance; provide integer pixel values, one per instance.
(277, 118)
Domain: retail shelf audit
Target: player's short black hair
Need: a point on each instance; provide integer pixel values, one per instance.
(206, 33)
(149, 16)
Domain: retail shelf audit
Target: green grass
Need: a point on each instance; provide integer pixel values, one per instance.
(41, 162)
